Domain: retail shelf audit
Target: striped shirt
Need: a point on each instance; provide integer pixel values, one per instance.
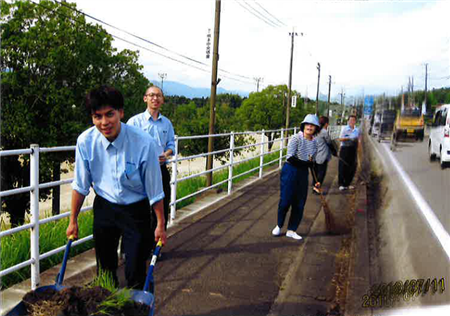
(302, 148)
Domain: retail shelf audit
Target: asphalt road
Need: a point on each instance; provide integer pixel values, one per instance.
(405, 246)
(227, 263)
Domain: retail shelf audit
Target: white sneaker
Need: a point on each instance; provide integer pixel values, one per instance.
(341, 188)
(276, 231)
(292, 234)
(351, 187)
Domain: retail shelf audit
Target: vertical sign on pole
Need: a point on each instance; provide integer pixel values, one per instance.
(294, 101)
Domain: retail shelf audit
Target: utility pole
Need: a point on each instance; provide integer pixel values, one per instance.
(56, 191)
(342, 102)
(329, 92)
(402, 106)
(426, 78)
(318, 84)
(288, 108)
(257, 80)
(214, 83)
(162, 76)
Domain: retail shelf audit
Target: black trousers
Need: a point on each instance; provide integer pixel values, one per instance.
(131, 222)
(347, 165)
(320, 171)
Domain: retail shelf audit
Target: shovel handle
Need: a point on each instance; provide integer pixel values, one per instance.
(149, 279)
(62, 271)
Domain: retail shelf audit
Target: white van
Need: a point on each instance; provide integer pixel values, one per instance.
(439, 139)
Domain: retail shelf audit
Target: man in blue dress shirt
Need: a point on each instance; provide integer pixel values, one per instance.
(161, 130)
(120, 162)
(349, 139)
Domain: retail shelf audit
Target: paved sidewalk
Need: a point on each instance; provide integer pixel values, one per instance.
(224, 261)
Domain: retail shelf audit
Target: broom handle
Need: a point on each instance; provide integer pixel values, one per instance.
(320, 188)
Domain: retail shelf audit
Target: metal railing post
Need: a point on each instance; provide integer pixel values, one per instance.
(295, 130)
(34, 207)
(261, 158)
(281, 148)
(173, 189)
(230, 168)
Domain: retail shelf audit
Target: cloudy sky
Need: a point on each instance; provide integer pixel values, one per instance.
(366, 46)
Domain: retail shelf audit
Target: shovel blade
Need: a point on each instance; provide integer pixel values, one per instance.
(143, 297)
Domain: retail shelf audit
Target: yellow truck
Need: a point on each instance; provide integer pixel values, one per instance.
(409, 124)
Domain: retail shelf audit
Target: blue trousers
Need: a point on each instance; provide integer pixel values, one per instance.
(293, 194)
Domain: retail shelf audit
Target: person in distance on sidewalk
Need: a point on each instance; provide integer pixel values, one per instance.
(301, 152)
(348, 154)
(160, 128)
(323, 153)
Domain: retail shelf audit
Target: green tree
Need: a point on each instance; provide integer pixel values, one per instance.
(190, 119)
(267, 110)
(50, 58)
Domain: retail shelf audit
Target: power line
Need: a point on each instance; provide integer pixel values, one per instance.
(260, 14)
(171, 58)
(149, 42)
(269, 13)
(272, 25)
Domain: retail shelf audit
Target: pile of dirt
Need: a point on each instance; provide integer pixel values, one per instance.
(77, 301)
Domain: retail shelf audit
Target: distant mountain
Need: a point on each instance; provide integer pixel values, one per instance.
(176, 88)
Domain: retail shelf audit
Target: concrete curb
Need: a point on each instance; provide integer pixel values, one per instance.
(359, 271)
(359, 274)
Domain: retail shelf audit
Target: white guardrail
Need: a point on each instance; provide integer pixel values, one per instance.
(35, 186)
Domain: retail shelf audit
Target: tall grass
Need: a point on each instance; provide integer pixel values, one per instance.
(16, 248)
(192, 185)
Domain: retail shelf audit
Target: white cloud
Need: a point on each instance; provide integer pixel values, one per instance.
(370, 44)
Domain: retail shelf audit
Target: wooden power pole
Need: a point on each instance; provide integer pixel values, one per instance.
(214, 83)
(426, 78)
(258, 80)
(318, 84)
(288, 108)
(329, 92)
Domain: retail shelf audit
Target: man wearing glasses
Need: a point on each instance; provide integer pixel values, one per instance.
(161, 130)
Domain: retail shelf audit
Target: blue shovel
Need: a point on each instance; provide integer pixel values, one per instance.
(146, 296)
(20, 309)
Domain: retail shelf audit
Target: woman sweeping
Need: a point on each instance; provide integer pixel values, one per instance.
(301, 152)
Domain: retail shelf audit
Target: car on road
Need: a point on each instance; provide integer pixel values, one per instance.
(439, 139)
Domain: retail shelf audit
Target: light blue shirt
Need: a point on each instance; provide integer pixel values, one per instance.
(124, 171)
(160, 130)
(348, 132)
